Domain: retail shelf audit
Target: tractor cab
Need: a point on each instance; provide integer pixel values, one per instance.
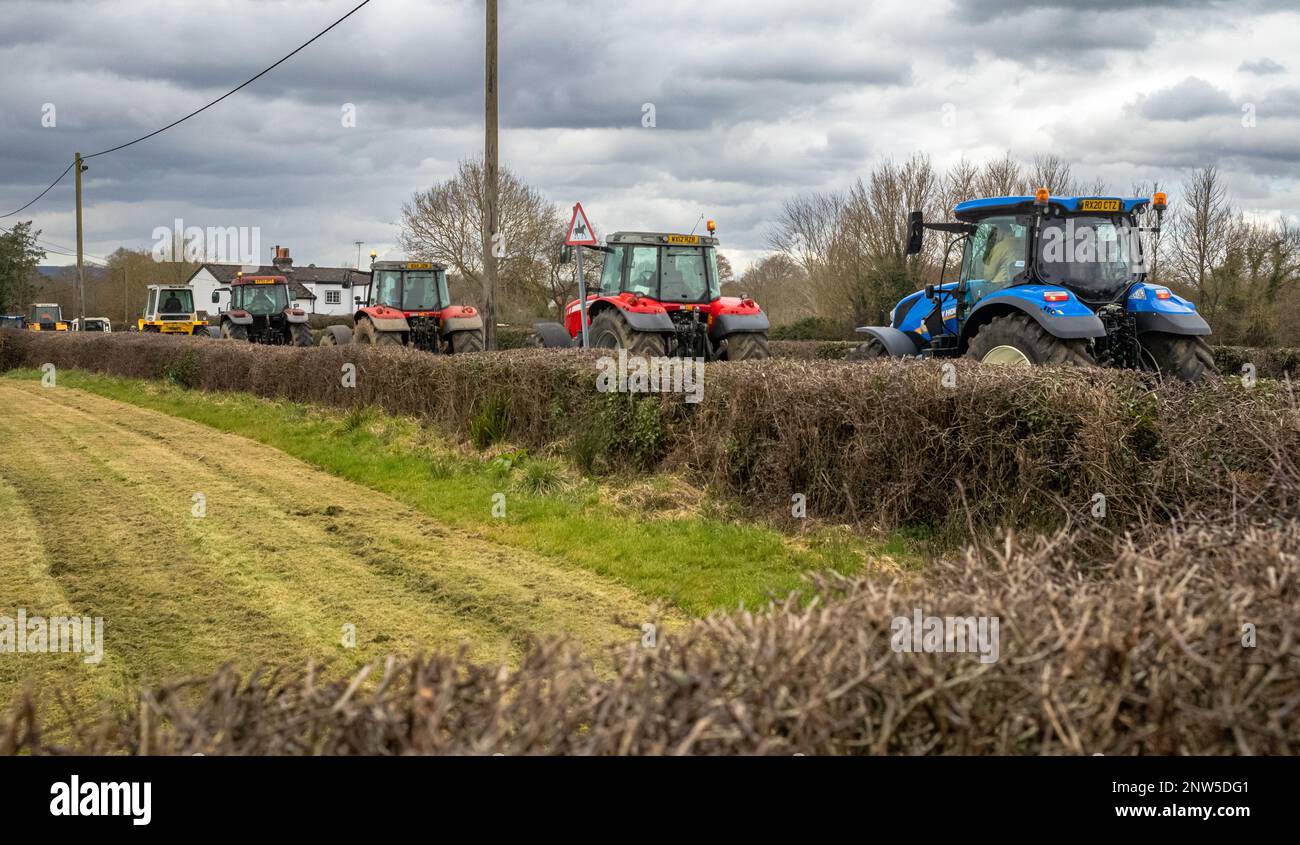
(170, 310)
(408, 304)
(660, 294)
(103, 325)
(46, 317)
(1047, 280)
(262, 311)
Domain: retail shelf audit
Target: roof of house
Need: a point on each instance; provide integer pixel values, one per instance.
(297, 276)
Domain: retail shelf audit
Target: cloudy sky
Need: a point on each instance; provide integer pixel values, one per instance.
(754, 102)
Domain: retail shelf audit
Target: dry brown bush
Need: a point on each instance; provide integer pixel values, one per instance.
(885, 444)
(1143, 653)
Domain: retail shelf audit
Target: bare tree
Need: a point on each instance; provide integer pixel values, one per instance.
(1051, 172)
(1201, 231)
(445, 224)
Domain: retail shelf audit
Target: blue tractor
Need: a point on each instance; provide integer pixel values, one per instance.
(1047, 280)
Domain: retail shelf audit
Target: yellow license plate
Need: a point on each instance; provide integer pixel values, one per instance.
(1101, 205)
(419, 266)
(683, 239)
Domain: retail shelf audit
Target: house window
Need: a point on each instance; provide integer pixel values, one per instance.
(333, 297)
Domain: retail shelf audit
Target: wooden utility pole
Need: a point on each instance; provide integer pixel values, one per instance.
(81, 273)
(126, 297)
(491, 213)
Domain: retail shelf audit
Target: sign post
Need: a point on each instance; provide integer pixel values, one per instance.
(581, 235)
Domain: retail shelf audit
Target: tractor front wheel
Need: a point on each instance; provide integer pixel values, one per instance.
(336, 336)
(301, 334)
(868, 351)
(610, 331)
(231, 331)
(463, 343)
(746, 347)
(1185, 357)
(368, 335)
(1018, 339)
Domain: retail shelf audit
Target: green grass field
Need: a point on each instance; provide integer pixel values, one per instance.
(641, 531)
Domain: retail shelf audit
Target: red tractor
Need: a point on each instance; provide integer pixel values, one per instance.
(408, 305)
(261, 311)
(659, 296)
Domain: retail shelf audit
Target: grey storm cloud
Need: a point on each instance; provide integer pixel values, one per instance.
(754, 102)
(1262, 66)
(1188, 100)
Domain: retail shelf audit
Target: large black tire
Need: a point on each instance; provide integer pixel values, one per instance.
(610, 331)
(368, 335)
(336, 336)
(748, 346)
(463, 343)
(301, 333)
(199, 331)
(1022, 333)
(231, 331)
(1185, 357)
(868, 351)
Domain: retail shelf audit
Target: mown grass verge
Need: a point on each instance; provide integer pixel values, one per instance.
(696, 561)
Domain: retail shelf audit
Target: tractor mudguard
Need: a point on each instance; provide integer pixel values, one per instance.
(729, 324)
(899, 344)
(1069, 319)
(300, 317)
(239, 318)
(342, 335)
(462, 324)
(1172, 315)
(645, 321)
(553, 335)
(385, 319)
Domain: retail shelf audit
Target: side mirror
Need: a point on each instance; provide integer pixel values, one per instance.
(566, 254)
(357, 300)
(929, 292)
(216, 297)
(915, 232)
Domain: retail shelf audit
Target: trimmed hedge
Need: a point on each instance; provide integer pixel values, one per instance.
(1185, 643)
(888, 444)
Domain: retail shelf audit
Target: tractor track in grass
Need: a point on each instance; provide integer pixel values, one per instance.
(96, 500)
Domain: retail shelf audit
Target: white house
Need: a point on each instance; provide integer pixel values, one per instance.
(328, 291)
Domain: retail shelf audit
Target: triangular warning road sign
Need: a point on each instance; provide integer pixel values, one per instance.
(580, 231)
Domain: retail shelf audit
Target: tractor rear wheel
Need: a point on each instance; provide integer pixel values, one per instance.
(368, 335)
(1186, 357)
(747, 347)
(868, 351)
(463, 343)
(231, 331)
(1019, 339)
(610, 331)
(301, 333)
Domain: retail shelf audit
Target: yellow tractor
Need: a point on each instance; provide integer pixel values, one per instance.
(46, 317)
(170, 310)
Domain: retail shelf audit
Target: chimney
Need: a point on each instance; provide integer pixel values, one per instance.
(282, 261)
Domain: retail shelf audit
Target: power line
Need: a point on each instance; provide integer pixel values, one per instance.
(238, 88)
(233, 90)
(41, 194)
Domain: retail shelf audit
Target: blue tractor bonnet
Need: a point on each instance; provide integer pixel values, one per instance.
(973, 210)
